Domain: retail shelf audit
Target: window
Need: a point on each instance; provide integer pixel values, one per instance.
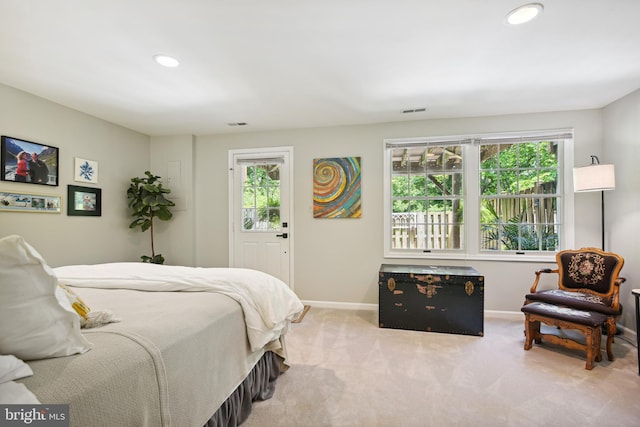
(426, 197)
(519, 196)
(260, 195)
(477, 195)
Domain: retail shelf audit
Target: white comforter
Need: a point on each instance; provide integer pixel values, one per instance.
(269, 305)
(11, 392)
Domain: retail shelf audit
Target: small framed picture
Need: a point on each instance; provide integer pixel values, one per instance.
(21, 202)
(85, 171)
(84, 201)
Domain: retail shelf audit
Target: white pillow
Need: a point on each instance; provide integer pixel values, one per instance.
(33, 324)
(12, 368)
(11, 392)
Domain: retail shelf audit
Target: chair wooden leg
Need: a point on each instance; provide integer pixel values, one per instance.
(597, 345)
(530, 329)
(537, 336)
(590, 348)
(611, 331)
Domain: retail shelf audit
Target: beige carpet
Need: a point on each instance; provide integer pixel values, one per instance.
(348, 372)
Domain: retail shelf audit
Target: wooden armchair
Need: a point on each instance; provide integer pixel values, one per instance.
(588, 282)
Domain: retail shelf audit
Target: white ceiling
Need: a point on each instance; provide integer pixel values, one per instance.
(304, 63)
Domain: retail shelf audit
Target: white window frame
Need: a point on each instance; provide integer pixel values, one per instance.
(471, 197)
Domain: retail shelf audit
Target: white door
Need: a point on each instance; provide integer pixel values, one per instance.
(260, 201)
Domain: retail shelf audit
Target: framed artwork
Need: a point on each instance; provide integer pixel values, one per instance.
(85, 171)
(21, 202)
(28, 162)
(336, 187)
(84, 201)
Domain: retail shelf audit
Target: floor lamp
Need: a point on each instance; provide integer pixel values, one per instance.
(595, 177)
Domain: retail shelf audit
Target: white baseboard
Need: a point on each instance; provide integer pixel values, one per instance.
(627, 334)
(374, 307)
(500, 314)
(342, 305)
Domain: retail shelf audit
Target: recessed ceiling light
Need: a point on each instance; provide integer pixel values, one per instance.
(166, 61)
(524, 13)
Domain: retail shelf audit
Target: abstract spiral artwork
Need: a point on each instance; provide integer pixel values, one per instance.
(336, 187)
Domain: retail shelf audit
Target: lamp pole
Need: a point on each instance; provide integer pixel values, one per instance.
(602, 216)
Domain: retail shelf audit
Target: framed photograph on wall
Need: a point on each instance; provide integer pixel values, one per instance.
(27, 161)
(85, 170)
(21, 202)
(84, 201)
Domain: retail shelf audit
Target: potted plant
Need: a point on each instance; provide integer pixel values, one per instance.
(147, 200)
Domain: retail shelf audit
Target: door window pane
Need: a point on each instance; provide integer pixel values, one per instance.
(261, 197)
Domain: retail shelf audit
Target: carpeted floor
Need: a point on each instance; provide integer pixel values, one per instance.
(348, 372)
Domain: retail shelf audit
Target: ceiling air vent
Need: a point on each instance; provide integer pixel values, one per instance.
(414, 110)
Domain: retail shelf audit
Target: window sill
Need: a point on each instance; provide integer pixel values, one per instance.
(550, 258)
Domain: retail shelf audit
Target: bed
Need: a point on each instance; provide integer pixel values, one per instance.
(192, 347)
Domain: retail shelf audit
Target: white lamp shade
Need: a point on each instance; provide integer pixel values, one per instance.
(594, 178)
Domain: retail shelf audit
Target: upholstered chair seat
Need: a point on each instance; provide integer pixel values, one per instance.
(588, 280)
(578, 300)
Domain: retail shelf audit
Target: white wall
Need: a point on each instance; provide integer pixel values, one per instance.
(621, 144)
(338, 260)
(172, 160)
(120, 153)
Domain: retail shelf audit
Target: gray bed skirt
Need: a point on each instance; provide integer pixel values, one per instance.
(258, 385)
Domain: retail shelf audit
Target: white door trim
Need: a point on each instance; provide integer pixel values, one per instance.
(258, 153)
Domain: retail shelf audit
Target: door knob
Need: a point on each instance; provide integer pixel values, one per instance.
(283, 235)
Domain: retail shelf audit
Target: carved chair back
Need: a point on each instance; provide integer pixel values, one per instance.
(589, 270)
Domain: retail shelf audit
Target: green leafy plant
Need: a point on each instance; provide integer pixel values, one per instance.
(515, 234)
(147, 200)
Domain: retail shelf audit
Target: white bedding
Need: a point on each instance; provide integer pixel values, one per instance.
(172, 361)
(269, 305)
(11, 392)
